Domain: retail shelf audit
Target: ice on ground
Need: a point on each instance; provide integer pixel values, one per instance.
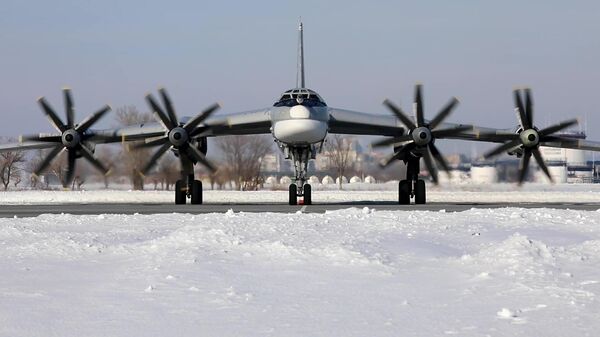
(350, 272)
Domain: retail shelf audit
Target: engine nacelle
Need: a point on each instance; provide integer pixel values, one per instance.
(201, 144)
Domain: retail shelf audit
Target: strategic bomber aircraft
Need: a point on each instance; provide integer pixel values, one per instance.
(299, 122)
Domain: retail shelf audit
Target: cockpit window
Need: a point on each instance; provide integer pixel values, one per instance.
(304, 97)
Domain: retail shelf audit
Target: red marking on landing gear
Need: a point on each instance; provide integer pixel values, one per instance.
(301, 202)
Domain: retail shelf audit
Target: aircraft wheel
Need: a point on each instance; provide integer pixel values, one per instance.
(293, 194)
(180, 193)
(404, 192)
(307, 194)
(420, 194)
(196, 192)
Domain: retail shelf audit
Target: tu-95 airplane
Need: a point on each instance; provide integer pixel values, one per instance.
(299, 122)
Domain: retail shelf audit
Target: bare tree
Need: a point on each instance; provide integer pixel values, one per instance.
(242, 156)
(167, 171)
(219, 177)
(106, 154)
(338, 150)
(32, 165)
(58, 167)
(133, 159)
(10, 167)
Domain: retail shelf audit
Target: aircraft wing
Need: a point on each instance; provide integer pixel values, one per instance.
(362, 123)
(18, 146)
(577, 144)
(241, 123)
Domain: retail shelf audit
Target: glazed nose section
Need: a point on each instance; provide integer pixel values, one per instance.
(299, 111)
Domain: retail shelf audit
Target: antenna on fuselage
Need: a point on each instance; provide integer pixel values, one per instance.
(300, 66)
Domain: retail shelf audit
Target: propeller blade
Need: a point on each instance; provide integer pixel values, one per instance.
(555, 128)
(154, 142)
(192, 123)
(87, 154)
(502, 148)
(529, 106)
(400, 114)
(521, 112)
(44, 164)
(400, 139)
(169, 106)
(444, 113)
(54, 119)
(387, 162)
(161, 151)
(92, 119)
(439, 158)
(69, 109)
(430, 167)
(201, 131)
(42, 138)
(72, 159)
(442, 133)
(541, 163)
(194, 153)
(419, 105)
(159, 112)
(524, 166)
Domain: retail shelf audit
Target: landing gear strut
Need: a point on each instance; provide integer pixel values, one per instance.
(188, 186)
(299, 188)
(412, 187)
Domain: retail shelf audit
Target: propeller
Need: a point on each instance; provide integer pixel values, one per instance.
(71, 139)
(420, 138)
(529, 137)
(177, 134)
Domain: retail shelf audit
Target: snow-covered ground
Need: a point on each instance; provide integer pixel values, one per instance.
(568, 193)
(355, 272)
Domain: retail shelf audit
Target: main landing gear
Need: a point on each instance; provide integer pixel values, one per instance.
(188, 187)
(412, 187)
(299, 188)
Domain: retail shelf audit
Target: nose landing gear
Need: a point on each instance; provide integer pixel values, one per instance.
(299, 188)
(305, 192)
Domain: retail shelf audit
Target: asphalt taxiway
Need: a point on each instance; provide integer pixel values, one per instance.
(141, 208)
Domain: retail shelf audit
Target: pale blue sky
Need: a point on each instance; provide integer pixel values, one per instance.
(243, 54)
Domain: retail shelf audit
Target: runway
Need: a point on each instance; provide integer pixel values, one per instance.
(9, 211)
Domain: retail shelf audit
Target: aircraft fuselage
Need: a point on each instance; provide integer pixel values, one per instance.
(300, 117)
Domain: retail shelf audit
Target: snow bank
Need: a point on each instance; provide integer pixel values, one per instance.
(353, 272)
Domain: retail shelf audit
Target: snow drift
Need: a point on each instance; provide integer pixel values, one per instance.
(354, 272)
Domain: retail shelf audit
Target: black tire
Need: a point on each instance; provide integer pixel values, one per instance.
(404, 192)
(196, 192)
(307, 194)
(293, 200)
(420, 193)
(180, 193)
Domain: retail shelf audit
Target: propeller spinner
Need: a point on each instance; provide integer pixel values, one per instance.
(71, 139)
(420, 137)
(177, 134)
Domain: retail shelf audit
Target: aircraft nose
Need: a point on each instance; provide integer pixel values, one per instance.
(299, 111)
